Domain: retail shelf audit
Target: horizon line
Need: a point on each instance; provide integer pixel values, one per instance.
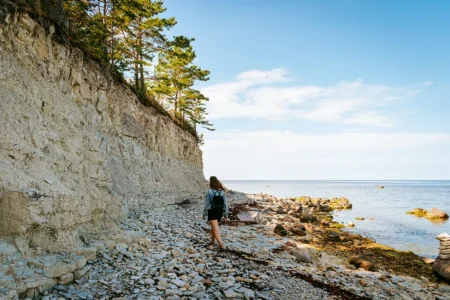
(336, 179)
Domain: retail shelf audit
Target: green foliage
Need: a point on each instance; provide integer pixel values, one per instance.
(176, 74)
(127, 36)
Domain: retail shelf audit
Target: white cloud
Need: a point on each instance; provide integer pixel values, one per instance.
(258, 95)
(347, 155)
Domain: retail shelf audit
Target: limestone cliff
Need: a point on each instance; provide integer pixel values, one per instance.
(77, 150)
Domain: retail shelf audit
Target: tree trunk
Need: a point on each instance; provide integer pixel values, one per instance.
(141, 56)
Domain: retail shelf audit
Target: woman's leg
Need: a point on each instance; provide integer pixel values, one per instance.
(216, 231)
(213, 234)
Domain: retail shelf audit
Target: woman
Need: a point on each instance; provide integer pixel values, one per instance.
(215, 207)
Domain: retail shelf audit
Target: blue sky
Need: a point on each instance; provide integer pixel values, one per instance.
(323, 89)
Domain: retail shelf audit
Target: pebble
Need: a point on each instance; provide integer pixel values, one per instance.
(176, 264)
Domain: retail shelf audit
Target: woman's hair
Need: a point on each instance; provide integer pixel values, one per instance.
(215, 184)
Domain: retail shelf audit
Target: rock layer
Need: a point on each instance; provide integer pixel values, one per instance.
(77, 150)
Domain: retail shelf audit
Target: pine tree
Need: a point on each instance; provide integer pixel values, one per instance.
(145, 37)
(176, 75)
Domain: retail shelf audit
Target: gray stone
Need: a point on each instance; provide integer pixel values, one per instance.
(301, 256)
(249, 216)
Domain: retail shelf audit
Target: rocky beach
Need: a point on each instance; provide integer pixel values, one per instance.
(280, 249)
(101, 196)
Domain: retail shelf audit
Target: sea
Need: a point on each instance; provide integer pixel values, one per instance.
(387, 206)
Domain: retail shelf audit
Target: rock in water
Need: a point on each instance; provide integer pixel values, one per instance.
(441, 269)
(418, 212)
(301, 256)
(362, 262)
(280, 230)
(437, 213)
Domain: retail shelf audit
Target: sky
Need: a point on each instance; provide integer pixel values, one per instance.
(323, 90)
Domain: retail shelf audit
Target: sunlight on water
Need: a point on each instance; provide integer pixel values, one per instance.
(388, 206)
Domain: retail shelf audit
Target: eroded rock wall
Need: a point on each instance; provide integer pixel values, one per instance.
(78, 150)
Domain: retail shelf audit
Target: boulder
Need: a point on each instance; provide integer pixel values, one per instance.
(427, 260)
(441, 269)
(362, 262)
(333, 236)
(309, 227)
(325, 208)
(298, 231)
(418, 212)
(287, 219)
(437, 213)
(281, 211)
(249, 216)
(343, 200)
(280, 230)
(308, 218)
(301, 256)
(351, 224)
(325, 223)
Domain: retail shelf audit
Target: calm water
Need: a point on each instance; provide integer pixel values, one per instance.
(391, 225)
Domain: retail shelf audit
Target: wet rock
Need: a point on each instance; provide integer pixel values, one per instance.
(359, 218)
(435, 213)
(280, 230)
(351, 224)
(418, 212)
(298, 231)
(360, 261)
(325, 208)
(332, 236)
(301, 256)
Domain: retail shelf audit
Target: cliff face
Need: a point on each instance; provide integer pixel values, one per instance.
(78, 150)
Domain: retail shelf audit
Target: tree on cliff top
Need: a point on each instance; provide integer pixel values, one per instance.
(127, 35)
(176, 74)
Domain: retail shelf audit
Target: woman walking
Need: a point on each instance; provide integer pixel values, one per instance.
(215, 207)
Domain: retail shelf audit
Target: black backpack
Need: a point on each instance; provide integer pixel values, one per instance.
(217, 201)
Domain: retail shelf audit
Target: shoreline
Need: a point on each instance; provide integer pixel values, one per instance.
(387, 207)
(327, 236)
(163, 253)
